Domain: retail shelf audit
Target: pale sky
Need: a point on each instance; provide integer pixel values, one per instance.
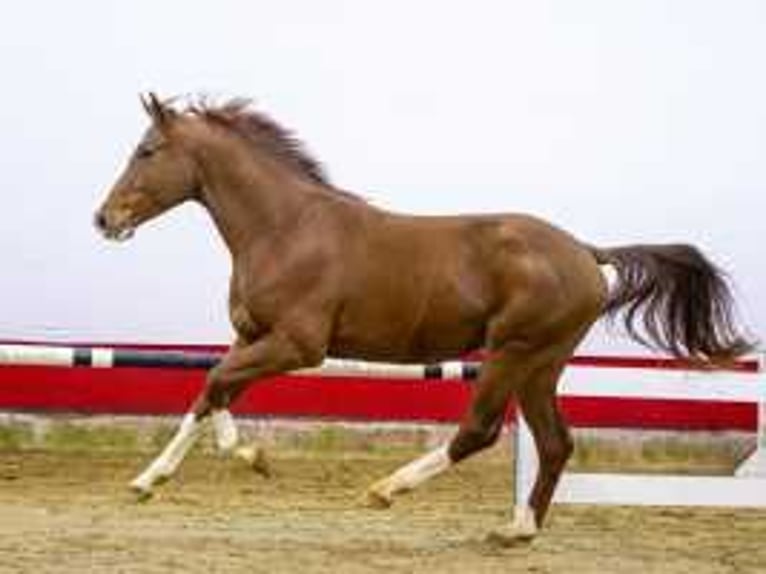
(624, 122)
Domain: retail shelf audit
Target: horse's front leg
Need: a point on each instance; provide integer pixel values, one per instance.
(279, 351)
(227, 440)
(224, 428)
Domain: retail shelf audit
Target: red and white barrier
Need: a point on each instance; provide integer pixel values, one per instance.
(747, 488)
(607, 392)
(165, 379)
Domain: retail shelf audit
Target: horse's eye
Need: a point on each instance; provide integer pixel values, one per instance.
(144, 152)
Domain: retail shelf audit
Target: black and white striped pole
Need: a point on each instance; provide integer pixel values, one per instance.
(107, 357)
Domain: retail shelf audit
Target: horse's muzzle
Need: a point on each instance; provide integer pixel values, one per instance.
(110, 231)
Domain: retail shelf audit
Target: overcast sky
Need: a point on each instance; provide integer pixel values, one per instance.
(625, 122)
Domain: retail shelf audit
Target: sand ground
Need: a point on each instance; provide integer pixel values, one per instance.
(68, 511)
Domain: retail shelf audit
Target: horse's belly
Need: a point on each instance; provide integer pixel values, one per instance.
(394, 353)
(397, 338)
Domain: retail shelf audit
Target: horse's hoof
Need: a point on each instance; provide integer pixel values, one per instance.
(141, 493)
(161, 479)
(509, 537)
(373, 498)
(255, 457)
(520, 531)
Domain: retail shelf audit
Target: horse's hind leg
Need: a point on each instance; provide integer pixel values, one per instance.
(479, 429)
(537, 400)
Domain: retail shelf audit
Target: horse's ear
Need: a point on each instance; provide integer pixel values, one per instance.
(160, 113)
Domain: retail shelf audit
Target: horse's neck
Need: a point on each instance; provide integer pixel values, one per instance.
(249, 199)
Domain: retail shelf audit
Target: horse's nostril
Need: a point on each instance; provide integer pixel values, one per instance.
(99, 220)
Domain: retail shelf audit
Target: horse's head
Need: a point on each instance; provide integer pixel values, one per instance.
(160, 174)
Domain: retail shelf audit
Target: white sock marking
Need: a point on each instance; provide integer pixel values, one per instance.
(226, 435)
(524, 524)
(167, 462)
(416, 472)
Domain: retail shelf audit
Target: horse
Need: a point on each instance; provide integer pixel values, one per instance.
(319, 272)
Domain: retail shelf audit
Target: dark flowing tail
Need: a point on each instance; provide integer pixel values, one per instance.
(683, 300)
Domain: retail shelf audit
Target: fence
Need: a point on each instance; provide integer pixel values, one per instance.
(30, 380)
(747, 488)
(728, 399)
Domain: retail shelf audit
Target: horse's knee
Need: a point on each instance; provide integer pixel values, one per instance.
(216, 393)
(473, 438)
(217, 378)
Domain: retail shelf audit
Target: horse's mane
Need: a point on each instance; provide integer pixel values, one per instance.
(239, 116)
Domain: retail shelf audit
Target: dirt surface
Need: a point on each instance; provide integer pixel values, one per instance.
(69, 512)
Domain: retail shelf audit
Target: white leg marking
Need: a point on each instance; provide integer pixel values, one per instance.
(167, 462)
(226, 435)
(255, 457)
(410, 476)
(522, 529)
(524, 522)
(247, 453)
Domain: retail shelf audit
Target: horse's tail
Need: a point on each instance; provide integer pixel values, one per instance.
(683, 300)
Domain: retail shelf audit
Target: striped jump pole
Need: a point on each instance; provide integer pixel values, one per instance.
(111, 357)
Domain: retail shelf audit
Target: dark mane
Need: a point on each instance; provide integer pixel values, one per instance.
(239, 116)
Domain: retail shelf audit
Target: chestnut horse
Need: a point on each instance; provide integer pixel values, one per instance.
(317, 272)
